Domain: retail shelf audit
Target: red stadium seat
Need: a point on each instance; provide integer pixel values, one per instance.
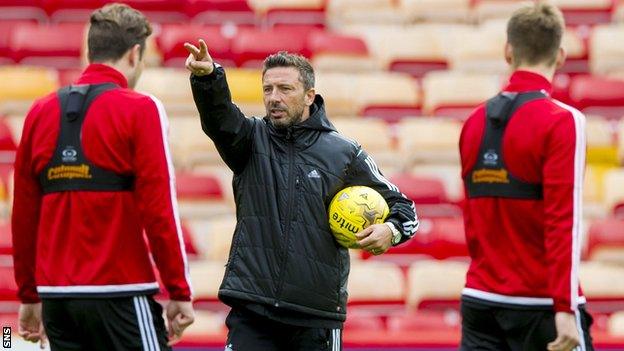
(22, 13)
(62, 42)
(597, 95)
(157, 5)
(71, 11)
(283, 16)
(618, 210)
(322, 42)
(195, 7)
(421, 190)
(561, 88)
(7, 140)
(172, 37)
(187, 237)
(361, 320)
(52, 6)
(586, 12)
(289, 12)
(604, 235)
(198, 187)
(76, 11)
(5, 32)
(10, 320)
(6, 242)
(424, 320)
(575, 41)
(30, 3)
(391, 114)
(8, 287)
(417, 69)
(252, 46)
(221, 11)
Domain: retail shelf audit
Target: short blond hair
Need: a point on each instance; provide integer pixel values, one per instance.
(534, 33)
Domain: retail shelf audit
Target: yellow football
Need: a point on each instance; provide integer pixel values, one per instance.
(353, 209)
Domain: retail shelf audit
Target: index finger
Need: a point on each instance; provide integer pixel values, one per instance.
(364, 243)
(364, 233)
(192, 49)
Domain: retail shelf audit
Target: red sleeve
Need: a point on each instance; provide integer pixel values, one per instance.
(563, 179)
(156, 197)
(25, 214)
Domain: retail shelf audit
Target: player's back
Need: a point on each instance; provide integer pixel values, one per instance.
(93, 237)
(512, 240)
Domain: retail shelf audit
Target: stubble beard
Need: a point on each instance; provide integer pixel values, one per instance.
(289, 121)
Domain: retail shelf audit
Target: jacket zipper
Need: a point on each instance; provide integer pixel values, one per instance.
(291, 193)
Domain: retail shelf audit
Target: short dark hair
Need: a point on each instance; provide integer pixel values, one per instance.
(115, 29)
(286, 59)
(534, 33)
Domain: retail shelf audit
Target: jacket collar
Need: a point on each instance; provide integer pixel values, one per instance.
(100, 73)
(318, 118)
(522, 81)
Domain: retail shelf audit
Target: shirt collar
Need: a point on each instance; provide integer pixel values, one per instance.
(101, 73)
(522, 81)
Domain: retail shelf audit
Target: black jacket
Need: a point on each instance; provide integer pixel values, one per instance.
(283, 253)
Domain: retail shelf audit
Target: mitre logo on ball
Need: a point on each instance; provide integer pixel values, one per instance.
(352, 209)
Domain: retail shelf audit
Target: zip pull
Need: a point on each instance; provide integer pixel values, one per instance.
(297, 182)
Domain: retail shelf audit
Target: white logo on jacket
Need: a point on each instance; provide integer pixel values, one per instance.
(490, 158)
(314, 174)
(69, 154)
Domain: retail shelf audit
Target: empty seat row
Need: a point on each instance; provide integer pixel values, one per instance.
(378, 94)
(460, 46)
(429, 284)
(432, 46)
(242, 47)
(246, 46)
(576, 12)
(169, 11)
(364, 47)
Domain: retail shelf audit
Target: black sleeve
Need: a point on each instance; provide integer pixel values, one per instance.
(221, 120)
(364, 171)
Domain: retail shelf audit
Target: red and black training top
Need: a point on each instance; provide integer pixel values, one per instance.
(524, 238)
(90, 242)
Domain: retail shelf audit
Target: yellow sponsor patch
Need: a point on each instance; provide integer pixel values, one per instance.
(70, 172)
(490, 176)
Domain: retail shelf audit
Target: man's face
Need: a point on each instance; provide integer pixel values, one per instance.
(285, 98)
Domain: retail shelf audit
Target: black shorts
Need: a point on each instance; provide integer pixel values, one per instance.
(123, 323)
(248, 331)
(497, 328)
